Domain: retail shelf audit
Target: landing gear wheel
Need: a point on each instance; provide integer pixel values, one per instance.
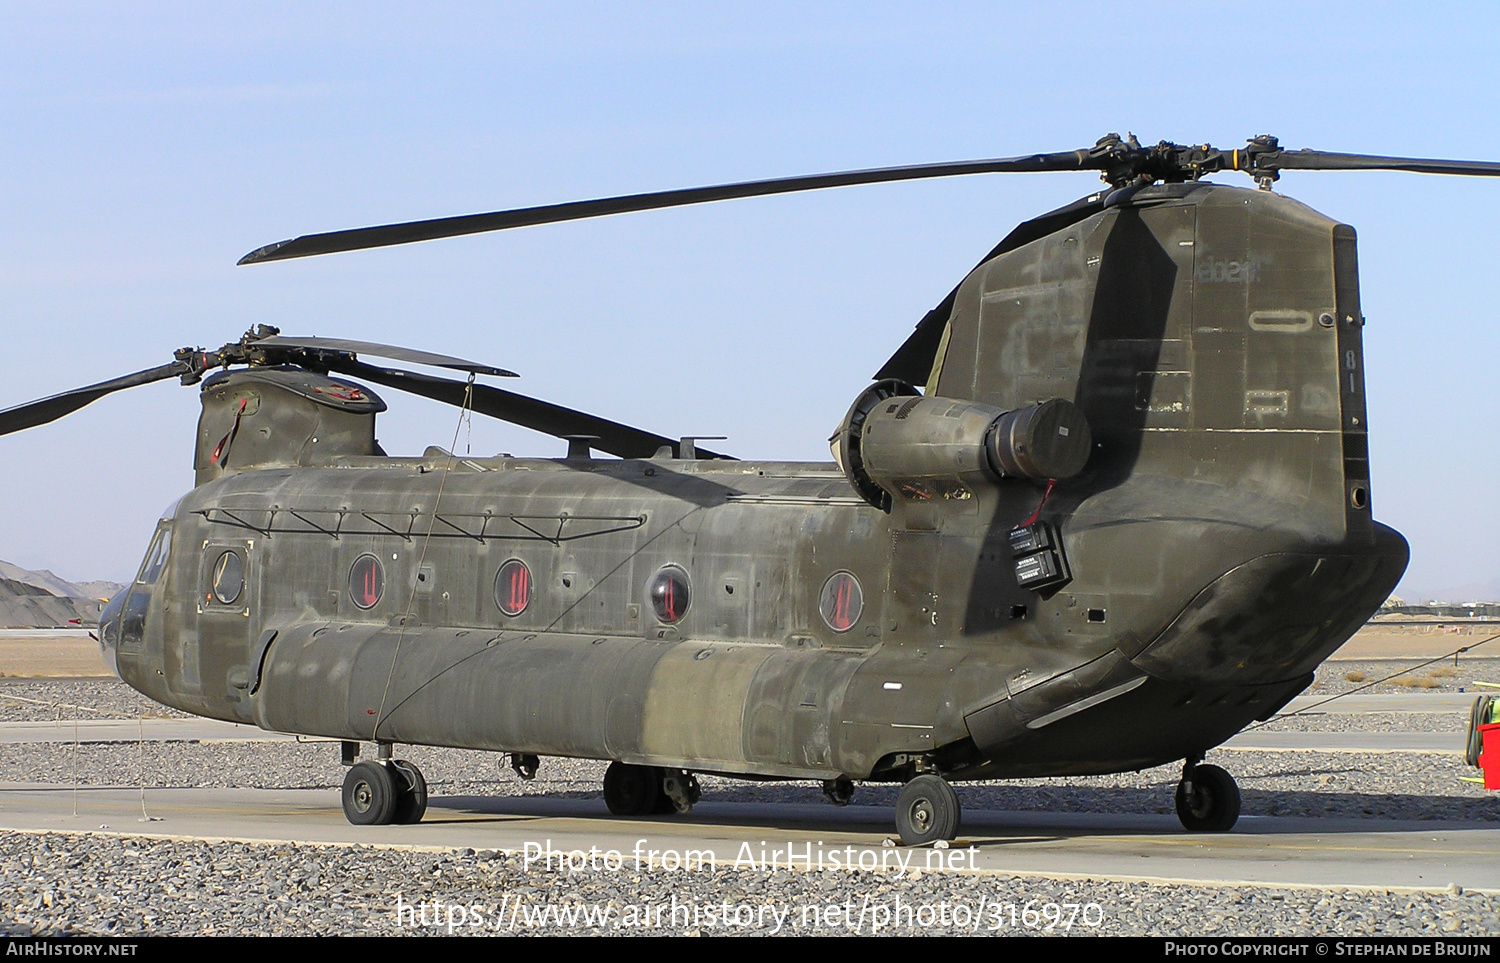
(1208, 801)
(632, 790)
(927, 810)
(369, 794)
(411, 792)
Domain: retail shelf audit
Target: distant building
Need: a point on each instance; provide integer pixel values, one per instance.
(1442, 610)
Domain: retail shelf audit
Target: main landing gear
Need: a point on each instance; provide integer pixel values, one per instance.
(927, 810)
(377, 793)
(1208, 801)
(649, 790)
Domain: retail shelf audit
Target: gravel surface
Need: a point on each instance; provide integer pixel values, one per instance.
(69, 884)
(44, 701)
(1333, 678)
(1384, 785)
(58, 884)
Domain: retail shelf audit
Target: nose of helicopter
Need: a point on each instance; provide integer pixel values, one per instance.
(109, 630)
(1277, 616)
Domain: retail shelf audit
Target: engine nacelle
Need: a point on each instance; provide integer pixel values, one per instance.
(273, 417)
(895, 443)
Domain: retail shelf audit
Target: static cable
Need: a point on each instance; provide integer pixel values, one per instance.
(1453, 655)
(1041, 504)
(411, 599)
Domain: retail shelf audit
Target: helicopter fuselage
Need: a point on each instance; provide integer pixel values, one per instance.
(945, 658)
(771, 619)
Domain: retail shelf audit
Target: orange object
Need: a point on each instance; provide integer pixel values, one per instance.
(1489, 755)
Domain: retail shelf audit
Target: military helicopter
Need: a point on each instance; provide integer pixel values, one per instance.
(1108, 504)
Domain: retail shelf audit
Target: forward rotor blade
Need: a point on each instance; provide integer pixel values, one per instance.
(613, 437)
(912, 362)
(409, 355)
(387, 234)
(1319, 160)
(42, 411)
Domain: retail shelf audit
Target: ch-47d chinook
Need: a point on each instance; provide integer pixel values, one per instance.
(1108, 504)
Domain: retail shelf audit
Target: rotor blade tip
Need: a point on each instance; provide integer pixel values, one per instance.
(267, 253)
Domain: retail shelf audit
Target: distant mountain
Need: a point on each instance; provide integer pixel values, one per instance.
(41, 600)
(1485, 590)
(10, 588)
(97, 590)
(59, 586)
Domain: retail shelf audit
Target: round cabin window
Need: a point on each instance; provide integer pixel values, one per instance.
(670, 594)
(366, 581)
(842, 601)
(228, 578)
(513, 587)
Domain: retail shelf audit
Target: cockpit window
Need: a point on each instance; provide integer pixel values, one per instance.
(156, 557)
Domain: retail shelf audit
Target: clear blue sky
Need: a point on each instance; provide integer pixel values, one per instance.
(147, 146)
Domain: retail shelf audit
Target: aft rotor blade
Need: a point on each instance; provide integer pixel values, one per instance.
(42, 411)
(1319, 160)
(387, 234)
(409, 355)
(623, 441)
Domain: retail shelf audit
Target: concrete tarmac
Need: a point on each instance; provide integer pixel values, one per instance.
(1270, 850)
(1282, 851)
(96, 731)
(1367, 702)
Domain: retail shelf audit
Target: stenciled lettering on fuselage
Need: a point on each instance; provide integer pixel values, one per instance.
(1218, 270)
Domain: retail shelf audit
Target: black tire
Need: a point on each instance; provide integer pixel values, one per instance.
(1478, 716)
(632, 790)
(1213, 804)
(927, 810)
(411, 793)
(369, 794)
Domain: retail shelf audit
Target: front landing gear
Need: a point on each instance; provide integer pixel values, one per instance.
(649, 790)
(380, 793)
(927, 811)
(1208, 801)
(680, 790)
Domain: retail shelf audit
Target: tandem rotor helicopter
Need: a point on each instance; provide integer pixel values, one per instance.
(1108, 504)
